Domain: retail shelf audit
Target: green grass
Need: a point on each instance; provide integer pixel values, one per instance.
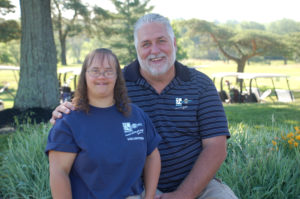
(264, 114)
(207, 67)
(24, 166)
(254, 169)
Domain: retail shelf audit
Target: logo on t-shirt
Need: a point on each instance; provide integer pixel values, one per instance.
(133, 131)
(181, 103)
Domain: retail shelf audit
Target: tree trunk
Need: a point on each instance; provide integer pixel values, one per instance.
(63, 51)
(241, 66)
(38, 84)
(285, 61)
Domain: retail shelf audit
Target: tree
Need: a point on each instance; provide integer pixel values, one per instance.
(181, 53)
(121, 28)
(251, 25)
(38, 84)
(9, 29)
(195, 46)
(68, 27)
(293, 40)
(76, 44)
(284, 26)
(6, 7)
(238, 46)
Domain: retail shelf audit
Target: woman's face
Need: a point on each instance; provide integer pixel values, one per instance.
(101, 78)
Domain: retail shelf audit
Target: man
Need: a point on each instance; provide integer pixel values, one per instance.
(185, 108)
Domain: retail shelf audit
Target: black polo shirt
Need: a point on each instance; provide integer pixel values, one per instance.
(185, 112)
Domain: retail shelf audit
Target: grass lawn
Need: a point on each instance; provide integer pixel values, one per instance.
(207, 67)
(264, 114)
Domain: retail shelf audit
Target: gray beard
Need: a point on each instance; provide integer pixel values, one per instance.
(153, 71)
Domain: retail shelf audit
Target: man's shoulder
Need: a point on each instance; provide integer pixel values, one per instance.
(194, 75)
(131, 71)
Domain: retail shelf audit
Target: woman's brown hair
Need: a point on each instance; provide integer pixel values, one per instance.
(122, 101)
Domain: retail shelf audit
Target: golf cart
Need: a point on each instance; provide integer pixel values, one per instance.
(249, 93)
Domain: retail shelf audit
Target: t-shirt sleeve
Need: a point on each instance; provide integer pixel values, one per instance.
(153, 138)
(211, 114)
(61, 138)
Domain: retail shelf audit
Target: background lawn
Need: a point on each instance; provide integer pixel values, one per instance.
(207, 67)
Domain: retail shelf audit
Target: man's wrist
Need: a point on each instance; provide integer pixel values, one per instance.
(185, 193)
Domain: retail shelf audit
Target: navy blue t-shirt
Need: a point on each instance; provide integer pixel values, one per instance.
(111, 150)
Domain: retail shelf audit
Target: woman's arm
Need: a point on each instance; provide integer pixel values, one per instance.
(60, 164)
(151, 173)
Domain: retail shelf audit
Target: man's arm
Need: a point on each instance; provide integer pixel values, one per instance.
(62, 108)
(209, 161)
(151, 174)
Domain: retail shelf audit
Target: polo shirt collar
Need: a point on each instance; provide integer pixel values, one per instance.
(132, 71)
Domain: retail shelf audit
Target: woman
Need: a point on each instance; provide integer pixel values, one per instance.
(101, 149)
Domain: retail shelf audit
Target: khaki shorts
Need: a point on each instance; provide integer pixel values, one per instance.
(134, 197)
(215, 190)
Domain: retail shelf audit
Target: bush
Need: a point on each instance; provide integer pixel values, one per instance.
(24, 169)
(253, 169)
(15, 116)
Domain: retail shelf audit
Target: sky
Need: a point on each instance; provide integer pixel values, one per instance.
(261, 11)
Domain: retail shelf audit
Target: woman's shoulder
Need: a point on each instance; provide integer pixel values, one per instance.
(136, 110)
(72, 116)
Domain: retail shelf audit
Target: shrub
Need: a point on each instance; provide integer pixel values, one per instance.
(288, 141)
(24, 170)
(253, 170)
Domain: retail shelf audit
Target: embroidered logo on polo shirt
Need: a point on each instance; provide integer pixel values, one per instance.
(181, 103)
(132, 131)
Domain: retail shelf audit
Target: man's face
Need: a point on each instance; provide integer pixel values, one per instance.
(155, 49)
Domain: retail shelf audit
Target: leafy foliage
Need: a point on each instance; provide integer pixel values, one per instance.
(284, 26)
(293, 41)
(238, 45)
(253, 170)
(9, 30)
(119, 34)
(6, 7)
(24, 168)
(68, 27)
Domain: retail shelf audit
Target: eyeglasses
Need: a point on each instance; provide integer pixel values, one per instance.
(96, 73)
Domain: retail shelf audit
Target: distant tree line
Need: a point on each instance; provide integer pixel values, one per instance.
(241, 42)
(88, 27)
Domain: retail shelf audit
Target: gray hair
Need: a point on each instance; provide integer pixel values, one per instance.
(152, 18)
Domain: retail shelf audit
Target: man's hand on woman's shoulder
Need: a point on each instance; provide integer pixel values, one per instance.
(62, 108)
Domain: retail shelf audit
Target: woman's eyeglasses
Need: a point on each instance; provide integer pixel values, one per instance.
(96, 73)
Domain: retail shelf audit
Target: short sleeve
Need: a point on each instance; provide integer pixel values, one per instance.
(211, 114)
(153, 138)
(61, 138)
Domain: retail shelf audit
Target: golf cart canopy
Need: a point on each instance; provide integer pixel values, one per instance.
(253, 94)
